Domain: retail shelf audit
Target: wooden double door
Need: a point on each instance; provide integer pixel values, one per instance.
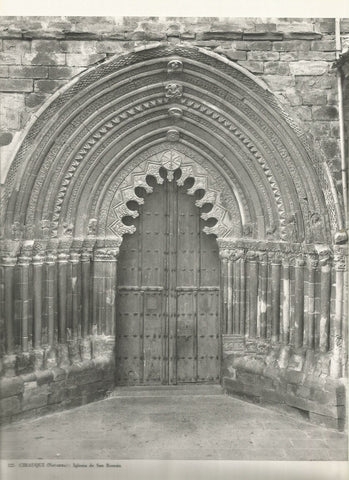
(168, 299)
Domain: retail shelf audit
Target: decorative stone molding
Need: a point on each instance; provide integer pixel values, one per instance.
(173, 90)
(175, 112)
(172, 135)
(339, 261)
(171, 160)
(174, 66)
(312, 261)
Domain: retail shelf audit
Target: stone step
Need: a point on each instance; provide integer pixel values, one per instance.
(166, 390)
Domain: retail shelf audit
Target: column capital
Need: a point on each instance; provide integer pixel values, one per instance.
(339, 261)
(299, 260)
(226, 254)
(312, 261)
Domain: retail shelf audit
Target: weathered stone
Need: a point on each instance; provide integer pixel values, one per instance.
(254, 67)
(9, 406)
(304, 67)
(264, 36)
(326, 25)
(326, 421)
(4, 71)
(43, 377)
(276, 68)
(279, 82)
(330, 147)
(76, 60)
(232, 54)
(59, 374)
(84, 47)
(302, 36)
(28, 72)
(219, 35)
(109, 46)
(5, 138)
(47, 86)
(262, 56)
(324, 46)
(325, 113)
(259, 46)
(33, 100)
(62, 73)
(20, 46)
(46, 46)
(11, 386)
(291, 45)
(315, 97)
(43, 58)
(35, 397)
(10, 58)
(57, 392)
(304, 83)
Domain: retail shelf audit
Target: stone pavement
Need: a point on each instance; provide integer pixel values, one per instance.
(171, 423)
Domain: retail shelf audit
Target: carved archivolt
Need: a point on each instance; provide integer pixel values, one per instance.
(170, 160)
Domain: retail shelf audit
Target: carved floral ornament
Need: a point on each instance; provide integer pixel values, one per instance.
(170, 160)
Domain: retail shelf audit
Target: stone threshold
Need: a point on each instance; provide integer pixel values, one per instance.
(166, 390)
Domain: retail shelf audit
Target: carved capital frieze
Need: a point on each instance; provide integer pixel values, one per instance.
(299, 261)
(252, 256)
(340, 237)
(339, 261)
(275, 258)
(226, 254)
(312, 261)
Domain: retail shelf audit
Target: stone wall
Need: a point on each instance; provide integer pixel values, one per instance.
(294, 57)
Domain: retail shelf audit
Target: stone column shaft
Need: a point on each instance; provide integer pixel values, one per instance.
(37, 299)
(310, 320)
(252, 294)
(85, 294)
(8, 268)
(299, 301)
(325, 307)
(62, 296)
(49, 297)
(262, 300)
(336, 361)
(24, 272)
(242, 265)
(275, 299)
(286, 292)
(75, 290)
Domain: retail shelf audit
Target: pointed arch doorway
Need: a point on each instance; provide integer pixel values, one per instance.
(167, 318)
